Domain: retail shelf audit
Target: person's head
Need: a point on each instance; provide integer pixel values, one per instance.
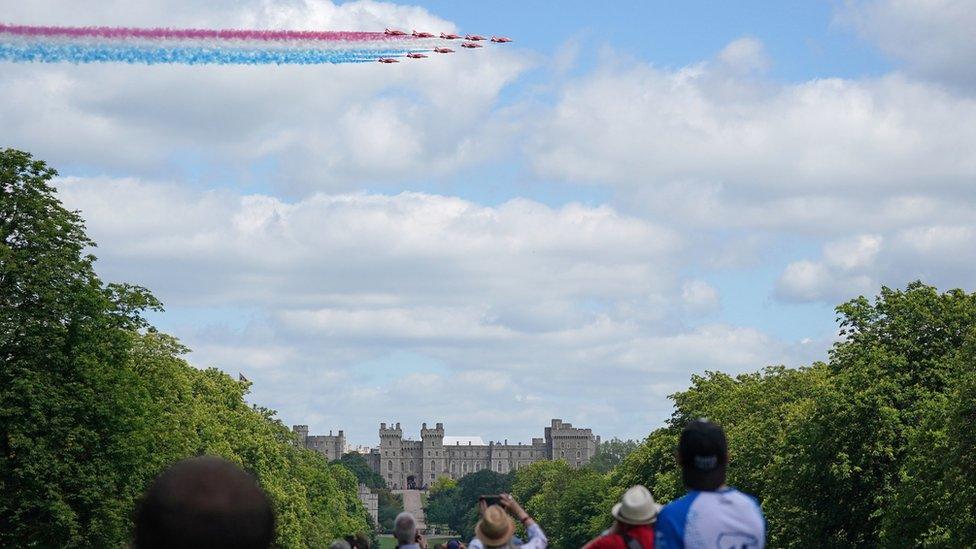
(405, 529)
(703, 455)
(454, 544)
(359, 540)
(339, 544)
(496, 528)
(204, 502)
(636, 507)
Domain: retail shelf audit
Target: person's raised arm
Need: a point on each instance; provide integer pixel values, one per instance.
(537, 538)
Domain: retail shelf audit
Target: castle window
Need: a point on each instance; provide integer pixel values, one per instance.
(433, 466)
(389, 465)
(577, 455)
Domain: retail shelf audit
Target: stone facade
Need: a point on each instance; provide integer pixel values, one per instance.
(371, 502)
(331, 446)
(417, 463)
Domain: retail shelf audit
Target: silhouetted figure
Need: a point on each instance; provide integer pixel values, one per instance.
(711, 514)
(359, 540)
(204, 502)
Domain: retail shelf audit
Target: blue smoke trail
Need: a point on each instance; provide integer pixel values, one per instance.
(82, 53)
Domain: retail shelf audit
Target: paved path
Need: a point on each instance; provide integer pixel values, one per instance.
(413, 504)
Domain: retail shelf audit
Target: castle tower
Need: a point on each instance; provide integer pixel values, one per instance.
(302, 432)
(574, 445)
(433, 454)
(391, 455)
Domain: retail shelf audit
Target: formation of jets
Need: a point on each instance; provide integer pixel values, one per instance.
(470, 42)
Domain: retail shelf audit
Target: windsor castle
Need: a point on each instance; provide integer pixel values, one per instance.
(406, 463)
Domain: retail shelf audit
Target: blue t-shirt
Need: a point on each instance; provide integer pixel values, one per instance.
(726, 519)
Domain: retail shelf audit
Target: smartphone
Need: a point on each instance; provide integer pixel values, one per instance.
(492, 499)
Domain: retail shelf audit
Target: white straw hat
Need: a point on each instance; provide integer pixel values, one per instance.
(637, 506)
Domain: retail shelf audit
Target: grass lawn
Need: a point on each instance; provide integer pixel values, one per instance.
(387, 542)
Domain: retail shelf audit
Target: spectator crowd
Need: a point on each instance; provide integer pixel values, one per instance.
(210, 502)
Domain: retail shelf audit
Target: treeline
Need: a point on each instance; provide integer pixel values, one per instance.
(876, 447)
(94, 402)
(566, 501)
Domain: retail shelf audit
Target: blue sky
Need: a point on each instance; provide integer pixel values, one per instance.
(802, 37)
(569, 226)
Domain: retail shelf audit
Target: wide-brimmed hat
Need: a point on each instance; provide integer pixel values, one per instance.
(637, 506)
(495, 527)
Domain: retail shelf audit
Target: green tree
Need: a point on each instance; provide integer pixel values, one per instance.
(457, 506)
(571, 505)
(94, 403)
(69, 458)
(356, 463)
(935, 502)
(851, 439)
(611, 453)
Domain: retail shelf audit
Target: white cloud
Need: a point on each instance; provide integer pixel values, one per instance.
(933, 38)
(854, 252)
(701, 146)
(699, 296)
(745, 55)
(814, 281)
(521, 257)
(942, 255)
(522, 306)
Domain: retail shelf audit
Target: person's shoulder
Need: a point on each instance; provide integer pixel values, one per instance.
(678, 507)
(746, 498)
(607, 541)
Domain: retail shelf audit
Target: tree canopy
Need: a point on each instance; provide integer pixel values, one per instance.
(456, 504)
(365, 474)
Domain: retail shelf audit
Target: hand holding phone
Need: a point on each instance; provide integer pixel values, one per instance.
(491, 499)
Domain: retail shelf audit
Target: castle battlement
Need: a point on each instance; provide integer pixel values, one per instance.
(405, 463)
(408, 463)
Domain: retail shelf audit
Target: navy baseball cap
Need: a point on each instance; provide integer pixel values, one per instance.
(703, 452)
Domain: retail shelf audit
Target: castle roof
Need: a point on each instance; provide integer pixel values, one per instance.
(464, 441)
